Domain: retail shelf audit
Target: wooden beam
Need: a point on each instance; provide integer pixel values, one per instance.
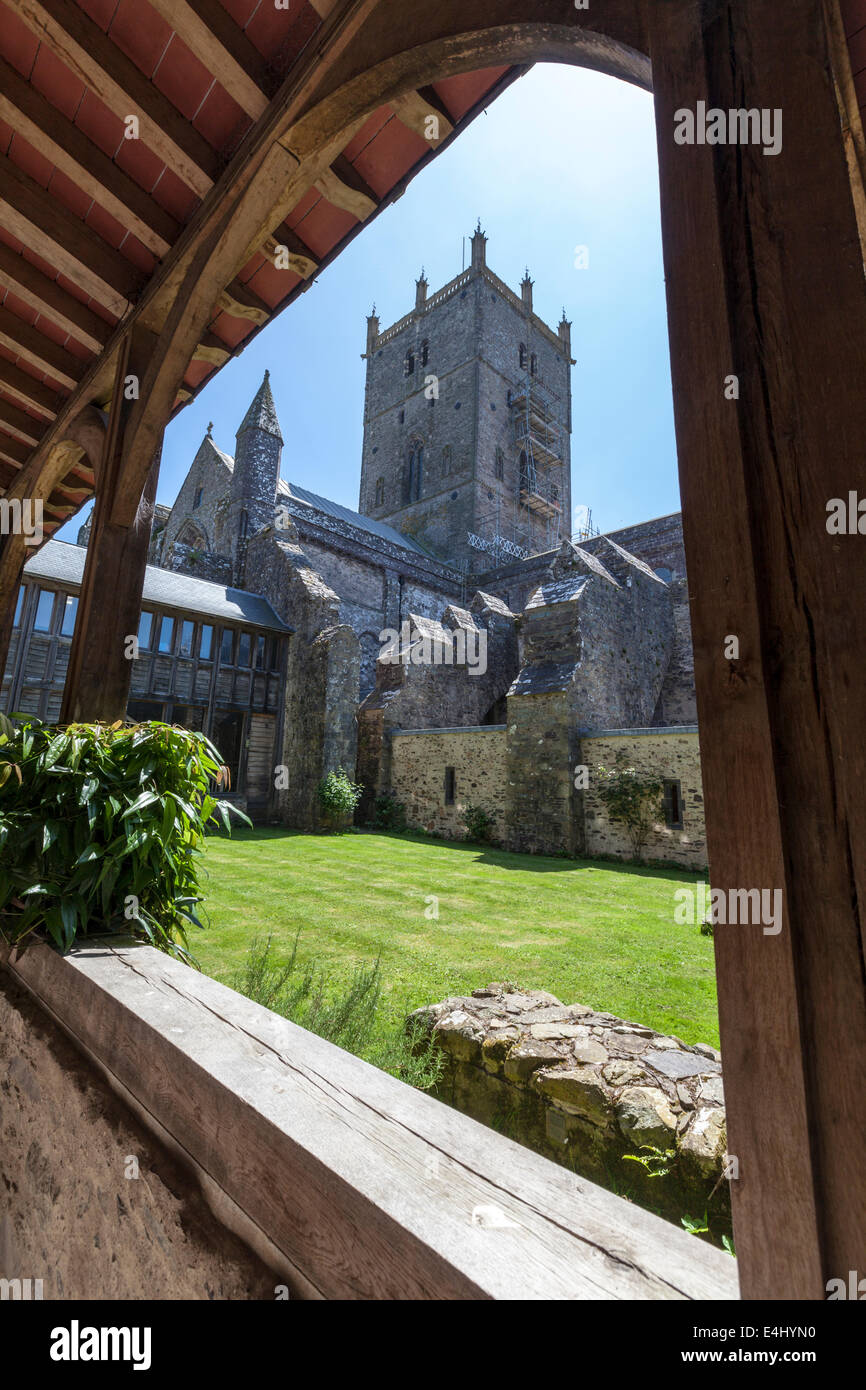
(13, 451)
(66, 146)
(41, 352)
(764, 280)
(343, 186)
(36, 218)
(27, 389)
(217, 41)
(19, 423)
(99, 670)
(46, 297)
(210, 349)
(91, 56)
(240, 302)
(415, 110)
(83, 436)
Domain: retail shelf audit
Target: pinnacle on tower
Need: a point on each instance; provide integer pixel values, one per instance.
(526, 291)
(262, 413)
(421, 290)
(479, 244)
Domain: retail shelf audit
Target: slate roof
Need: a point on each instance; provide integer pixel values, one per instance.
(381, 529)
(62, 563)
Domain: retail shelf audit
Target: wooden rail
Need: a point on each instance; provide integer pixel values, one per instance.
(368, 1188)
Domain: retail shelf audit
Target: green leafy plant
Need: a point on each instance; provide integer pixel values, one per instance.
(631, 797)
(696, 1227)
(479, 823)
(338, 797)
(389, 813)
(101, 827)
(347, 1013)
(657, 1162)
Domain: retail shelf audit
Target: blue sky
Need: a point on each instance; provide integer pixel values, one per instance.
(564, 158)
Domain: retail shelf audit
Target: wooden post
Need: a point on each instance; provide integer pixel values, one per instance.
(99, 670)
(765, 284)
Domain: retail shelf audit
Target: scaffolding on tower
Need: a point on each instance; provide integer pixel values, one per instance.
(538, 438)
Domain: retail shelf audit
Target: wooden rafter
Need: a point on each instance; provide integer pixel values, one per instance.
(36, 218)
(63, 144)
(26, 388)
(217, 41)
(46, 297)
(17, 422)
(41, 352)
(89, 53)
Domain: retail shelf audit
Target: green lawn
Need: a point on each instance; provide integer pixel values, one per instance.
(589, 932)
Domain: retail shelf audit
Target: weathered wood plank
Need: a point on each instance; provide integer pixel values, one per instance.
(370, 1188)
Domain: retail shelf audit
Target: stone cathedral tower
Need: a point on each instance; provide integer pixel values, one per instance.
(467, 418)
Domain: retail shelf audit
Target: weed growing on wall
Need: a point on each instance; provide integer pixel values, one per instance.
(631, 797)
(101, 827)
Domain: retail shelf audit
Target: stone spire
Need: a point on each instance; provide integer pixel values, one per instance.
(262, 414)
(254, 477)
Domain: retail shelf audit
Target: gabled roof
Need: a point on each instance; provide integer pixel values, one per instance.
(59, 562)
(301, 495)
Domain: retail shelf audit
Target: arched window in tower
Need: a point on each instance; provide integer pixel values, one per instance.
(446, 460)
(425, 353)
(521, 353)
(533, 365)
(380, 492)
(244, 525)
(500, 463)
(409, 363)
(412, 472)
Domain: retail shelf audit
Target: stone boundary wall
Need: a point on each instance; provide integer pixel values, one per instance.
(670, 753)
(418, 762)
(586, 1088)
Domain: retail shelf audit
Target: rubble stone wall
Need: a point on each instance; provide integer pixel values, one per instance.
(672, 754)
(418, 763)
(586, 1089)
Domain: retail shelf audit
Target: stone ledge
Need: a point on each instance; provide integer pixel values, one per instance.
(368, 1188)
(587, 1088)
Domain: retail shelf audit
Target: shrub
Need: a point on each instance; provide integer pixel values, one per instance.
(389, 813)
(479, 824)
(338, 797)
(100, 829)
(633, 798)
(347, 1014)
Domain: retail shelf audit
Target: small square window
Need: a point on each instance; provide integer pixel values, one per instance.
(205, 642)
(187, 631)
(145, 628)
(450, 786)
(244, 649)
(260, 653)
(227, 647)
